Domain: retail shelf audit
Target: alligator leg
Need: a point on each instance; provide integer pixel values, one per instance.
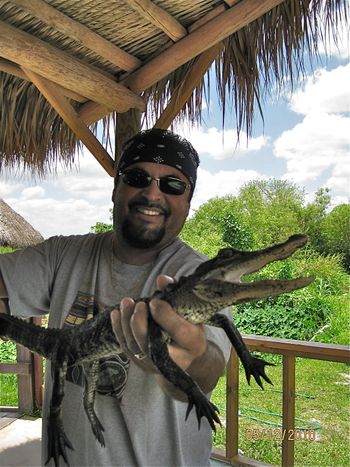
(91, 370)
(57, 438)
(159, 353)
(252, 365)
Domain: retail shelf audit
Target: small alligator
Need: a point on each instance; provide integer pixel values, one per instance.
(214, 285)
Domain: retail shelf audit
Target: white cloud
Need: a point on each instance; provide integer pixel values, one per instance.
(320, 142)
(339, 48)
(68, 203)
(222, 144)
(324, 91)
(60, 217)
(33, 192)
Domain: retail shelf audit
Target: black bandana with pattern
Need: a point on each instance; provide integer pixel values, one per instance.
(161, 147)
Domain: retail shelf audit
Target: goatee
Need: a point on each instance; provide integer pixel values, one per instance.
(141, 236)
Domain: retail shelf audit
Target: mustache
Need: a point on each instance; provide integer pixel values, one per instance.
(145, 203)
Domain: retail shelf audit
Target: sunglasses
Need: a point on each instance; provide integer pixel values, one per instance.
(138, 178)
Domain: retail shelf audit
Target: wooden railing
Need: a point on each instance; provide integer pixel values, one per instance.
(289, 349)
(29, 369)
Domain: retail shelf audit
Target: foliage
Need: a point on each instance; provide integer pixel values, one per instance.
(7, 351)
(266, 212)
(304, 314)
(335, 233)
(271, 208)
(216, 225)
(101, 227)
(6, 249)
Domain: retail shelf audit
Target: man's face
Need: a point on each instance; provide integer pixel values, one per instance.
(147, 217)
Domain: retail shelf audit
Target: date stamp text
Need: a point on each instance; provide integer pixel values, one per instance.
(279, 434)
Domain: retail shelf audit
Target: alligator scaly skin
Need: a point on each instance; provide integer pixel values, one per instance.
(214, 285)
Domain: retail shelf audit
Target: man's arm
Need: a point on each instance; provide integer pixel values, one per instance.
(189, 348)
(4, 308)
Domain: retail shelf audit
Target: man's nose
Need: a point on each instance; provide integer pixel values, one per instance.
(152, 191)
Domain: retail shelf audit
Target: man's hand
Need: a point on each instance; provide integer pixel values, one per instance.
(189, 347)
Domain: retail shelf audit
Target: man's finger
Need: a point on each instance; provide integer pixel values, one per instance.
(163, 280)
(185, 334)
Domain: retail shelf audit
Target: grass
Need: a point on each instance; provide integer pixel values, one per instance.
(8, 383)
(8, 391)
(322, 404)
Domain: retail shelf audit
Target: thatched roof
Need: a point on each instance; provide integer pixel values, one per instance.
(15, 231)
(67, 63)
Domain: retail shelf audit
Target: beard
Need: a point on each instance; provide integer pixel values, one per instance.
(141, 236)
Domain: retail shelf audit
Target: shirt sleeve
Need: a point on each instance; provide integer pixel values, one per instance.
(28, 275)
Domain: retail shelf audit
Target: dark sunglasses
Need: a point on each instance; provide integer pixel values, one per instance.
(138, 178)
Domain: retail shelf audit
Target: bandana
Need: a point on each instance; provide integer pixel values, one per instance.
(161, 147)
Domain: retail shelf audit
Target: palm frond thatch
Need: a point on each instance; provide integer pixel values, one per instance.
(255, 61)
(15, 231)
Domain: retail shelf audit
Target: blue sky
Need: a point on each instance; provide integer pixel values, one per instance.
(305, 139)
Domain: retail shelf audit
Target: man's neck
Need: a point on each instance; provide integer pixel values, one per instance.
(137, 256)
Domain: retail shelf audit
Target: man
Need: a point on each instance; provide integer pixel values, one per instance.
(73, 278)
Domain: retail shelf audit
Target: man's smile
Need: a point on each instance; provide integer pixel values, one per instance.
(149, 211)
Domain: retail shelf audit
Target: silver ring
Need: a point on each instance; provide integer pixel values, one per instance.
(140, 356)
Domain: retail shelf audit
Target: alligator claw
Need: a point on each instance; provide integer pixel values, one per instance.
(57, 441)
(204, 408)
(256, 368)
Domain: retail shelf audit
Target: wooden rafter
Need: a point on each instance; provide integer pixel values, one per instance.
(15, 70)
(192, 45)
(192, 80)
(160, 18)
(80, 33)
(58, 101)
(65, 70)
(219, 25)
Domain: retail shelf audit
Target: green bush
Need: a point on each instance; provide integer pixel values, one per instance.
(318, 312)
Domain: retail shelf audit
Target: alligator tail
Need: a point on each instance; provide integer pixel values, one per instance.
(36, 338)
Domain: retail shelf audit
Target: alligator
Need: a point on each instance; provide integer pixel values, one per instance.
(199, 298)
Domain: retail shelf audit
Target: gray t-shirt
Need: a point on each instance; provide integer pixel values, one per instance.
(145, 427)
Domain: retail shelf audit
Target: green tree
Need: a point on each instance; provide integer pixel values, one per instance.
(313, 215)
(272, 209)
(335, 233)
(101, 227)
(217, 224)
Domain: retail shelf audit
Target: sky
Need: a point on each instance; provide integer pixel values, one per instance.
(305, 138)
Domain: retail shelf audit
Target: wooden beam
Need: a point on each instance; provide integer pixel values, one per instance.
(232, 2)
(179, 99)
(200, 40)
(208, 17)
(91, 112)
(16, 368)
(15, 70)
(80, 33)
(159, 17)
(65, 70)
(70, 116)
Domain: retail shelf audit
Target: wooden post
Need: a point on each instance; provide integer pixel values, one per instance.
(38, 374)
(25, 381)
(288, 412)
(232, 388)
